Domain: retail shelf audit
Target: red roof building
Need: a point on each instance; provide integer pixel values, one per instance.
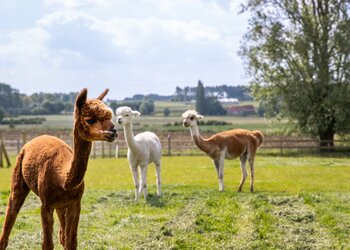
(241, 110)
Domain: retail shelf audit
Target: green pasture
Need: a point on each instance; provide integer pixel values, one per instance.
(299, 203)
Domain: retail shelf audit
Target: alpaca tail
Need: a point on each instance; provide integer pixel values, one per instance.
(17, 171)
(259, 136)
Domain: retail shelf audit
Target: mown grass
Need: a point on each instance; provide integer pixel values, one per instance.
(299, 203)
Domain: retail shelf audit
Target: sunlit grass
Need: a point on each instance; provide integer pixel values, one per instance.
(299, 203)
(272, 174)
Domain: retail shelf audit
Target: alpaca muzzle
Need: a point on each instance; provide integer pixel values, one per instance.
(110, 135)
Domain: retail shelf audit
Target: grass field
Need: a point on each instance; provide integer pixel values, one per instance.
(299, 203)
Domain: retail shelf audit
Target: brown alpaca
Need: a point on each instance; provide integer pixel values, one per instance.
(230, 144)
(52, 170)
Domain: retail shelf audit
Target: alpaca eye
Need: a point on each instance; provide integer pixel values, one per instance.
(192, 118)
(127, 115)
(91, 121)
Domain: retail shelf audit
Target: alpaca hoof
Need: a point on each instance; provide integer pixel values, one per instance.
(3, 245)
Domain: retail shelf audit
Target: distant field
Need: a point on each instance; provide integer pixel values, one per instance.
(299, 203)
(161, 123)
(157, 122)
(176, 108)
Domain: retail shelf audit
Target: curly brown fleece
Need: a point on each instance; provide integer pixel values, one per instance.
(52, 170)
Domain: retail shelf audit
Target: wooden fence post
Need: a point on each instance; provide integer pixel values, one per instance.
(110, 149)
(117, 149)
(18, 146)
(94, 149)
(281, 145)
(169, 144)
(103, 149)
(24, 138)
(1, 162)
(3, 152)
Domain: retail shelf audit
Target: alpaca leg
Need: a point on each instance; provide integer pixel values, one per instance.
(73, 214)
(47, 224)
(135, 175)
(251, 166)
(243, 160)
(143, 185)
(19, 192)
(61, 213)
(219, 167)
(159, 179)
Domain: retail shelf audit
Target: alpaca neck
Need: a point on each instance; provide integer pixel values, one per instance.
(81, 153)
(129, 138)
(201, 143)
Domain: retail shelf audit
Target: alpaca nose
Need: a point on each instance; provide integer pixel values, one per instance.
(114, 131)
(119, 120)
(186, 124)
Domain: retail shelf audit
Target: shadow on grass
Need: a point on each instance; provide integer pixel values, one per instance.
(155, 200)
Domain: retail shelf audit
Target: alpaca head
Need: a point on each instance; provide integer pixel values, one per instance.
(93, 119)
(190, 118)
(125, 115)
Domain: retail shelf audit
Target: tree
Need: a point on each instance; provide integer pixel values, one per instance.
(213, 107)
(2, 115)
(10, 99)
(166, 111)
(147, 106)
(200, 98)
(298, 53)
(53, 107)
(69, 107)
(135, 105)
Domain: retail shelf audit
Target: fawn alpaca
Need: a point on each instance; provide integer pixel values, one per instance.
(228, 144)
(52, 170)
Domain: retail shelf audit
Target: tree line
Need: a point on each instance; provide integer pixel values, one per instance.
(222, 91)
(13, 103)
(145, 106)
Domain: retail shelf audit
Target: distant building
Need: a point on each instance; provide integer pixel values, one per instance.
(231, 101)
(241, 110)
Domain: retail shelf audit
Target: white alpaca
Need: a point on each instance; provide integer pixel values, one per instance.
(143, 149)
(228, 144)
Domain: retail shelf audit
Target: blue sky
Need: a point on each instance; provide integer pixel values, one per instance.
(131, 47)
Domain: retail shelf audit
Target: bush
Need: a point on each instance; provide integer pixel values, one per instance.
(35, 120)
(2, 114)
(40, 111)
(214, 123)
(166, 112)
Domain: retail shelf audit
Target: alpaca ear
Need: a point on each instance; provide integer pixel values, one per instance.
(200, 117)
(103, 94)
(80, 101)
(136, 113)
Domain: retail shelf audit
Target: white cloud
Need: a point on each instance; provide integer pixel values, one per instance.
(137, 42)
(24, 46)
